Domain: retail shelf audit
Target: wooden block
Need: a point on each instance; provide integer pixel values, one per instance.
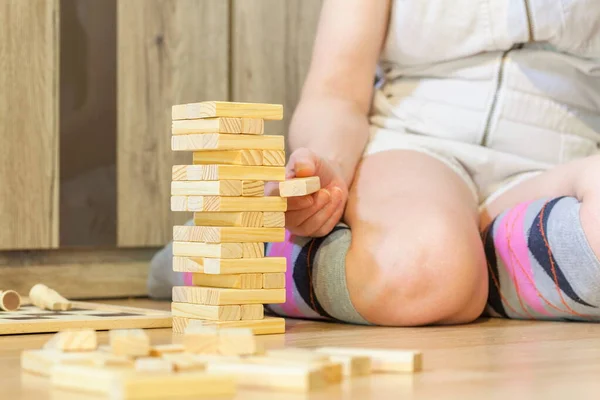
(202, 311)
(252, 311)
(296, 378)
(382, 360)
(249, 126)
(183, 362)
(214, 173)
(130, 385)
(220, 296)
(253, 188)
(273, 280)
(244, 265)
(188, 264)
(43, 297)
(266, 326)
(237, 281)
(221, 250)
(237, 341)
(201, 340)
(211, 109)
(153, 364)
(229, 157)
(226, 141)
(298, 355)
(213, 234)
(160, 350)
(40, 362)
(274, 219)
(9, 300)
(99, 359)
(299, 186)
(229, 219)
(352, 365)
(332, 372)
(227, 204)
(207, 188)
(73, 340)
(275, 158)
(129, 342)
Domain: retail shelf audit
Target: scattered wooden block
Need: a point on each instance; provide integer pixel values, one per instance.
(188, 264)
(248, 126)
(43, 297)
(266, 326)
(281, 377)
(229, 157)
(129, 342)
(332, 372)
(236, 281)
(153, 364)
(206, 188)
(129, 385)
(183, 362)
(40, 362)
(252, 311)
(253, 188)
(201, 340)
(219, 296)
(226, 141)
(237, 341)
(387, 360)
(229, 219)
(214, 234)
(203, 311)
(273, 280)
(160, 350)
(299, 186)
(298, 355)
(244, 265)
(227, 204)
(9, 300)
(273, 157)
(212, 173)
(353, 365)
(73, 340)
(274, 219)
(221, 250)
(211, 109)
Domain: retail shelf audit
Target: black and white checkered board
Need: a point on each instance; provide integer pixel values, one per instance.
(30, 319)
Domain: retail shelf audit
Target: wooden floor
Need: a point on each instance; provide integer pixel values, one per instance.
(490, 359)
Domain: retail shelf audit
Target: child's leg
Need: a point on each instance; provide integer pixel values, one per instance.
(543, 254)
(412, 255)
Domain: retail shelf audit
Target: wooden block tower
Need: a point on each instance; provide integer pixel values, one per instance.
(223, 251)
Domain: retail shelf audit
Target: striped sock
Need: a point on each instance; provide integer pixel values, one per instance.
(540, 263)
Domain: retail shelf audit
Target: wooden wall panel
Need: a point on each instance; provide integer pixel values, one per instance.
(88, 123)
(29, 52)
(271, 50)
(169, 52)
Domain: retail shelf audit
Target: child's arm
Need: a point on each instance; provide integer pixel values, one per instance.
(330, 128)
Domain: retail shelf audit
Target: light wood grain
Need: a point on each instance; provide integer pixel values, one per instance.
(234, 281)
(266, 326)
(253, 188)
(219, 296)
(169, 52)
(207, 188)
(229, 219)
(213, 234)
(252, 311)
(219, 250)
(29, 127)
(229, 157)
(230, 266)
(209, 109)
(227, 204)
(273, 280)
(226, 141)
(248, 126)
(299, 186)
(203, 311)
(220, 172)
(274, 219)
(273, 157)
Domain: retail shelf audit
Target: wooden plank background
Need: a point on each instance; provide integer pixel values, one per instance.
(29, 52)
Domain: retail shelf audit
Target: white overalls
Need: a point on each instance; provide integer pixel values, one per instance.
(499, 90)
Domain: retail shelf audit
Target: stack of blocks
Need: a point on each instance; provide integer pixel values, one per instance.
(224, 251)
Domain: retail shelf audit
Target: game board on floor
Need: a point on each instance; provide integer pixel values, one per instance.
(31, 319)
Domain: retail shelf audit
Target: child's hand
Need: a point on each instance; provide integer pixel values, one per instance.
(316, 214)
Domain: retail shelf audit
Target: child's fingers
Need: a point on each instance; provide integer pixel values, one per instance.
(316, 221)
(297, 217)
(330, 223)
(300, 203)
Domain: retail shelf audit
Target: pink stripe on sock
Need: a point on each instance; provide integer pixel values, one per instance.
(187, 279)
(516, 257)
(284, 249)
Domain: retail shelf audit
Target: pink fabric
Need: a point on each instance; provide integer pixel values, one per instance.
(511, 244)
(284, 249)
(187, 278)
